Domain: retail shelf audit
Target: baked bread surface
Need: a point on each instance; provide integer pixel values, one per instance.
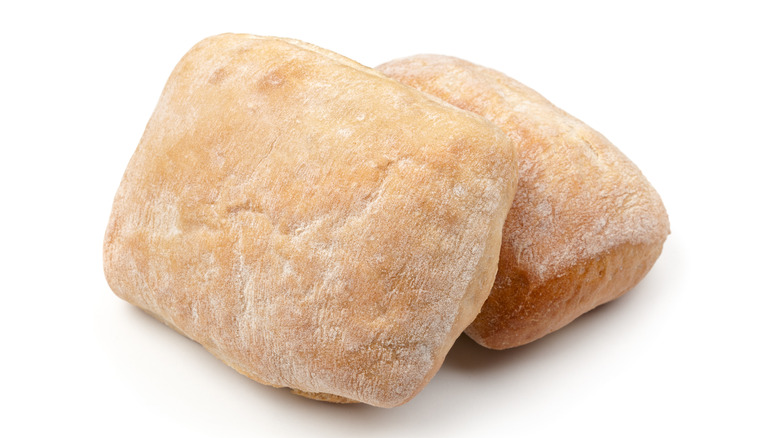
(312, 223)
(585, 225)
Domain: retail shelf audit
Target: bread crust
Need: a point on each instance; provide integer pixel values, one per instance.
(310, 222)
(585, 225)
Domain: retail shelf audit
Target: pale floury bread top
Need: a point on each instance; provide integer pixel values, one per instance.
(310, 222)
(585, 225)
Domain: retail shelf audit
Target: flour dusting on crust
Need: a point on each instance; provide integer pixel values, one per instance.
(580, 206)
(311, 222)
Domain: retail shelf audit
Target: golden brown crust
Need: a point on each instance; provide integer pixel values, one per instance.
(581, 208)
(310, 222)
(509, 318)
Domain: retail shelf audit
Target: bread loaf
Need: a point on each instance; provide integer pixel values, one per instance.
(312, 223)
(585, 225)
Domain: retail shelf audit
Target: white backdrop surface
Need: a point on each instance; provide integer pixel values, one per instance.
(688, 90)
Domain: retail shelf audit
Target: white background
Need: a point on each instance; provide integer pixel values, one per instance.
(688, 90)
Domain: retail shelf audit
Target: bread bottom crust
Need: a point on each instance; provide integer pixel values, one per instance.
(323, 396)
(520, 310)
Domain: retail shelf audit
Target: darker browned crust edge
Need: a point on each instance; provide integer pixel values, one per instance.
(520, 310)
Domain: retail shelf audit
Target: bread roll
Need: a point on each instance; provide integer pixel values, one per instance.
(585, 225)
(312, 223)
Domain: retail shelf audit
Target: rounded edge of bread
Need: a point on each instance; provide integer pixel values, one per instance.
(509, 320)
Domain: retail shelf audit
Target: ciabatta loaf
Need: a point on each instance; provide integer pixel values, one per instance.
(309, 221)
(585, 225)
